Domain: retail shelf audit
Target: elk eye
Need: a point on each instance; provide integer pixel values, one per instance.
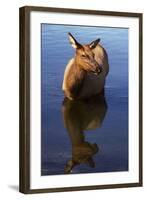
(83, 55)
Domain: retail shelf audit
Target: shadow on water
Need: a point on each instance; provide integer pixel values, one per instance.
(80, 116)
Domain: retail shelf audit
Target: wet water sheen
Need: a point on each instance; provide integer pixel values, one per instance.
(91, 136)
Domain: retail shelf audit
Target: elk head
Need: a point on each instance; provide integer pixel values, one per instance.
(85, 57)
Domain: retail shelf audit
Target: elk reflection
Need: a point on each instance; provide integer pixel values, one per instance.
(80, 116)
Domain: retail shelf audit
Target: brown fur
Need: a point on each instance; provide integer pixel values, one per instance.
(80, 80)
(74, 81)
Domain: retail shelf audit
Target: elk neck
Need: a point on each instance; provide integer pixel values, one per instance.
(75, 78)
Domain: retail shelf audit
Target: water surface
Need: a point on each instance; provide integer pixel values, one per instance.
(103, 130)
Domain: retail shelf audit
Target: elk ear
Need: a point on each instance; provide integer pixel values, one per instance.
(93, 44)
(74, 42)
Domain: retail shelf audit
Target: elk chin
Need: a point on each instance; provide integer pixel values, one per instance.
(92, 72)
(96, 72)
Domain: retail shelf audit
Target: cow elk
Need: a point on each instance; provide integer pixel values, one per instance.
(85, 74)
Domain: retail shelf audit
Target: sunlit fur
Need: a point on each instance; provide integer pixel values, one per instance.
(85, 74)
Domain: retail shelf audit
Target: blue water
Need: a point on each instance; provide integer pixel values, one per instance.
(111, 133)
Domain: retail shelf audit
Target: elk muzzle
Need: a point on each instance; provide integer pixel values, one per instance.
(97, 70)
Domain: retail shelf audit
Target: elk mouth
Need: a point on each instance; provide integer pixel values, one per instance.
(97, 71)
